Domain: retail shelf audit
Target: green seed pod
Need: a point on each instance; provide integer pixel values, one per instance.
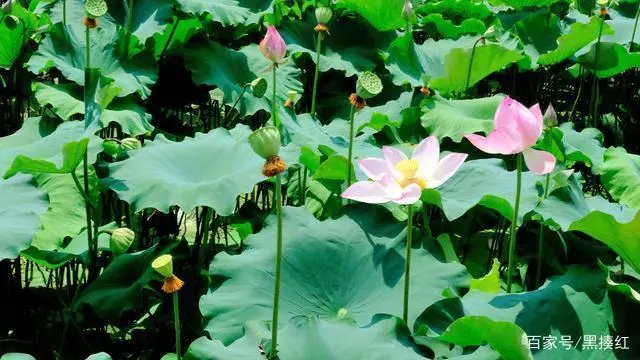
(131, 144)
(111, 147)
(265, 142)
(368, 85)
(259, 87)
(121, 239)
(163, 264)
(95, 8)
(323, 15)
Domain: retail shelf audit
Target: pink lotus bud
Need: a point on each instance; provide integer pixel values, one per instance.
(272, 46)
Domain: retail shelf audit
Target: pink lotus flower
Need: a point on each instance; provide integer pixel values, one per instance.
(400, 179)
(516, 130)
(272, 46)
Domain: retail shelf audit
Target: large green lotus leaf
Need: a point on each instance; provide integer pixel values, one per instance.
(620, 174)
(612, 59)
(68, 99)
(21, 205)
(125, 279)
(446, 17)
(352, 266)
(486, 60)
(579, 36)
(229, 12)
(304, 130)
(185, 29)
(72, 155)
(574, 304)
(149, 16)
(453, 119)
(341, 50)
(391, 113)
(505, 337)
(488, 183)
(314, 339)
(209, 170)
(449, 30)
(230, 70)
(584, 146)
(409, 62)
(65, 50)
(613, 224)
(383, 14)
(538, 33)
(15, 37)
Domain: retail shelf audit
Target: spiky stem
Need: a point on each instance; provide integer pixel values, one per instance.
(350, 154)
(176, 322)
(317, 73)
(473, 53)
(541, 235)
(276, 292)
(407, 266)
(514, 226)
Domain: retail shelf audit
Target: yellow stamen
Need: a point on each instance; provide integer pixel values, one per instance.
(408, 168)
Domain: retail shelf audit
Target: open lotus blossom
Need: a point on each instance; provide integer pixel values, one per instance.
(272, 46)
(516, 130)
(400, 179)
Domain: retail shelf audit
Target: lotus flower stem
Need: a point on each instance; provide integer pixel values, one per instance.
(594, 89)
(64, 13)
(226, 116)
(575, 102)
(176, 321)
(276, 292)
(168, 42)
(317, 73)
(473, 53)
(276, 122)
(80, 188)
(514, 225)
(127, 36)
(350, 154)
(541, 235)
(635, 26)
(407, 266)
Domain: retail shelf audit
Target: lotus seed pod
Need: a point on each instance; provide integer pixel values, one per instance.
(368, 85)
(95, 8)
(603, 3)
(163, 264)
(11, 21)
(121, 239)
(131, 144)
(259, 87)
(265, 142)
(111, 147)
(323, 15)
(550, 117)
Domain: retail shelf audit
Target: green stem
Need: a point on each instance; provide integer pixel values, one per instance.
(168, 42)
(64, 12)
(514, 226)
(575, 102)
(350, 155)
(317, 73)
(541, 235)
(473, 53)
(86, 198)
(176, 321)
(93, 252)
(635, 27)
(127, 36)
(88, 50)
(276, 292)
(276, 121)
(205, 238)
(244, 89)
(594, 88)
(407, 266)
